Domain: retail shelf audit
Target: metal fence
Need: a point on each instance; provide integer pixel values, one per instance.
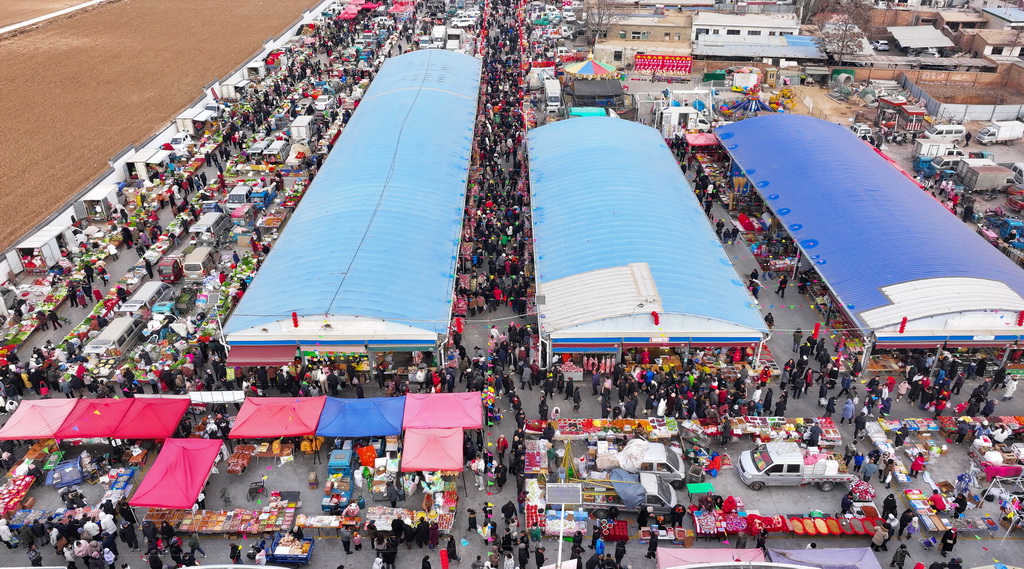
(947, 112)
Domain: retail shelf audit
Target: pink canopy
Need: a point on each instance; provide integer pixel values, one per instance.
(151, 418)
(702, 139)
(94, 418)
(178, 474)
(346, 16)
(369, 6)
(37, 419)
(443, 410)
(432, 449)
(677, 557)
(400, 8)
(273, 417)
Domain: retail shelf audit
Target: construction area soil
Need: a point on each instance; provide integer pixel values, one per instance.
(78, 90)
(973, 95)
(14, 11)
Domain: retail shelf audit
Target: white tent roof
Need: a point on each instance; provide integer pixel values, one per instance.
(919, 36)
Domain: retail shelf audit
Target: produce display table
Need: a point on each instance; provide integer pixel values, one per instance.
(277, 515)
(13, 492)
(580, 429)
(23, 517)
(134, 459)
(382, 516)
(575, 521)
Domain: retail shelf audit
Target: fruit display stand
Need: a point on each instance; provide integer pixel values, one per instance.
(277, 515)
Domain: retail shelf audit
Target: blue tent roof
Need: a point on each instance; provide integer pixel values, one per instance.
(620, 234)
(866, 226)
(377, 234)
(373, 417)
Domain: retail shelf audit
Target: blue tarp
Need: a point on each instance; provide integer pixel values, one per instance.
(377, 233)
(861, 221)
(628, 487)
(373, 417)
(606, 194)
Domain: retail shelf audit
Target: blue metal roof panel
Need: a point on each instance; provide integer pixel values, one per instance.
(377, 233)
(608, 192)
(860, 220)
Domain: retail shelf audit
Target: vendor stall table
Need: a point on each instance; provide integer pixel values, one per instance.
(67, 473)
(134, 459)
(575, 521)
(699, 490)
(321, 523)
(22, 517)
(13, 492)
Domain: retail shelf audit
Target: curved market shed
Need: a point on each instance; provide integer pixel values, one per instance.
(368, 258)
(619, 235)
(886, 249)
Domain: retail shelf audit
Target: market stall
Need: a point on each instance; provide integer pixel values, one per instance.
(13, 492)
(827, 558)
(278, 513)
(275, 417)
(443, 410)
(94, 418)
(432, 449)
(671, 557)
(37, 419)
(369, 417)
(178, 474)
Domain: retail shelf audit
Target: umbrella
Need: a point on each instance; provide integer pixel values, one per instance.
(589, 69)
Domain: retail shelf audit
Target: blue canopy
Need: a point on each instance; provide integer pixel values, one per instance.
(373, 417)
(370, 252)
(887, 249)
(619, 235)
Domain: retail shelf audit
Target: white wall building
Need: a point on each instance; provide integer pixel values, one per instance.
(713, 24)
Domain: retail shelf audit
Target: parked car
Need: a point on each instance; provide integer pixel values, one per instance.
(324, 103)
(462, 22)
(880, 45)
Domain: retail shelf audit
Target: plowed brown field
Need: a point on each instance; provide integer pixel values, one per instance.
(79, 89)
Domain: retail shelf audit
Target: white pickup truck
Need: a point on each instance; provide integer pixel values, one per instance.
(783, 464)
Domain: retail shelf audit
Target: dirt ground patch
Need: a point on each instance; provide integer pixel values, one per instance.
(975, 95)
(77, 91)
(14, 11)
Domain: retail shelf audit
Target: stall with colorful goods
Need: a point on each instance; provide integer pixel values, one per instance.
(278, 514)
(769, 429)
(821, 526)
(593, 429)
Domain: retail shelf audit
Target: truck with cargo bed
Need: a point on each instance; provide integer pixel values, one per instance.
(626, 491)
(785, 464)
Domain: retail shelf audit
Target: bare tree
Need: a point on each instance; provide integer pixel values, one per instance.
(841, 26)
(807, 9)
(602, 15)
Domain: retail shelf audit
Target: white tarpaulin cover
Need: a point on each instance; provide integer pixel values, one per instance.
(632, 455)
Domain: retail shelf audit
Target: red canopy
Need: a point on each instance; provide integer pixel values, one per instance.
(151, 418)
(37, 419)
(432, 449)
(178, 474)
(273, 417)
(443, 410)
(94, 418)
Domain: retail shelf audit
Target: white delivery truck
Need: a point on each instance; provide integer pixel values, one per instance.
(784, 464)
(438, 35)
(680, 120)
(924, 147)
(1001, 131)
(552, 95)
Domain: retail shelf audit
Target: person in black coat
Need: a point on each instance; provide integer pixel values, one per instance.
(652, 546)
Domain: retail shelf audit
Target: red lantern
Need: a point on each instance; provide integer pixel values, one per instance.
(817, 329)
(903, 325)
(1020, 318)
(458, 325)
(295, 319)
(656, 317)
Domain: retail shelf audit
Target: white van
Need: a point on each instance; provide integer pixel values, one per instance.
(238, 197)
(199, 263)
(664, 463)
(1018, 172)
(437, 36)
(148, 295)
(116, 339)
(210, 228)
(947, 132)
(552, 95)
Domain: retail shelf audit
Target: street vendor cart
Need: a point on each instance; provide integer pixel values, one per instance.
(286, 550)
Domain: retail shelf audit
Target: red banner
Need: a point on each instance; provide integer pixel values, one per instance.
(667, 64)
